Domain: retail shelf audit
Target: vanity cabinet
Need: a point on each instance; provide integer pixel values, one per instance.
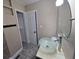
(13, 39)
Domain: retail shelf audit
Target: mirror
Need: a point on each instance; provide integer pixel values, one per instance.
(64, 16)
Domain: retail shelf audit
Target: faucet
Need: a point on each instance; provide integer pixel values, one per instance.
(59, 40)
(60, 44)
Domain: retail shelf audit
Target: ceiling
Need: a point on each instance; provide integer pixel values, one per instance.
(26, 2)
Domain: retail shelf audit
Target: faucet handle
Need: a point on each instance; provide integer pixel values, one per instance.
(60, 34)
(55, 39)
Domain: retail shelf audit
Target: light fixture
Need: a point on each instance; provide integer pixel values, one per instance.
(59, 2)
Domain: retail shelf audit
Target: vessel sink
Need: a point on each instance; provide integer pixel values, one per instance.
(47, 45)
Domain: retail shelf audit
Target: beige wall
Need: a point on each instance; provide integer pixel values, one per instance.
(16, 5)
(46, 17)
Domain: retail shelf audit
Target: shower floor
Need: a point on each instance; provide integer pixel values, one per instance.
(29, 51)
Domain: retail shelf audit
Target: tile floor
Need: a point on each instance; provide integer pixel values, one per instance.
(29, 51)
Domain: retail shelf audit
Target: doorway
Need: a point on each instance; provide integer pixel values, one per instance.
(28, 27)
(32, 27)
(22, 28)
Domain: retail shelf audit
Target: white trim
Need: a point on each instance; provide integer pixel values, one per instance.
(16, 54)
(19, 10)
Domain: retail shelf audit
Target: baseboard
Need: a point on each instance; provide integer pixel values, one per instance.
(16, 54)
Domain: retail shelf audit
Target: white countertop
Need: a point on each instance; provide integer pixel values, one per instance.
(56, 55)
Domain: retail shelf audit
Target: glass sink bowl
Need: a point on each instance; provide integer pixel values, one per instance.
(47, 45)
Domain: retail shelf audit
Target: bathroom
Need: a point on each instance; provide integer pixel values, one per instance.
(27, 23)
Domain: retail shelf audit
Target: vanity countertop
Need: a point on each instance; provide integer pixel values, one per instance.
(56, 55)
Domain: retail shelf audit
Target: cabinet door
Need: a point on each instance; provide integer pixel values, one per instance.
(13, 39)
(9, 19)
(6, 53)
